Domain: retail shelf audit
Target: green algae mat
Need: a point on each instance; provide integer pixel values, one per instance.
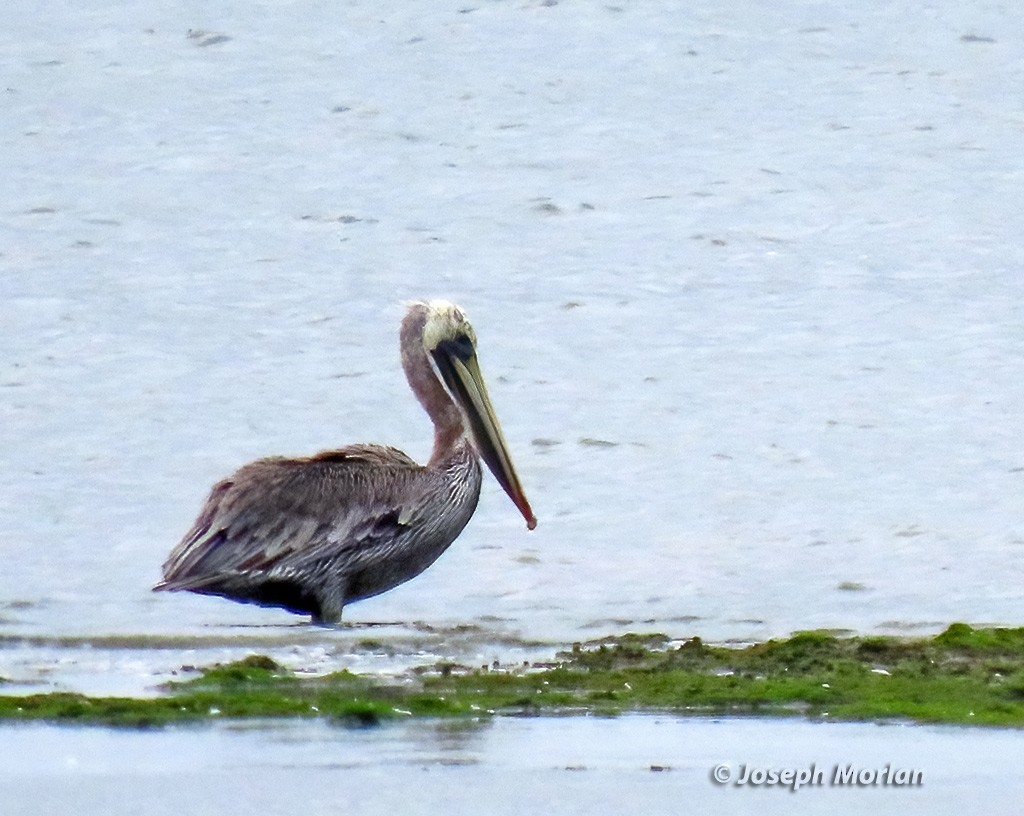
(964, 675)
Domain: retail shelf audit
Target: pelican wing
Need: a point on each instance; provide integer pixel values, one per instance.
(278, 514)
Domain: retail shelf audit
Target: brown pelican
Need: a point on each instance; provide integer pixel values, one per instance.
(316, 533)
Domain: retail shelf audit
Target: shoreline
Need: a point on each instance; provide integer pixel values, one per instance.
(964, 675)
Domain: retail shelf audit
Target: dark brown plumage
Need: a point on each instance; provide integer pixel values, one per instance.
(313, 534)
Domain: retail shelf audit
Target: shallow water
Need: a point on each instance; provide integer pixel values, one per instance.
(746, 279)
(746, 282)
(641, 764)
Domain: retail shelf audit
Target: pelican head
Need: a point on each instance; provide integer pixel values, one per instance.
(450, 343)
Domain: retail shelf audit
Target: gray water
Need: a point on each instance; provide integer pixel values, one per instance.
(746, 279)
(636, 764)
(759, 363)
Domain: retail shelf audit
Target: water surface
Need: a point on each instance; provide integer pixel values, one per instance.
(746, 282)
(642, 764)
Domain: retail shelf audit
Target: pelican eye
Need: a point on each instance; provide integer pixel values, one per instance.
(460, 346)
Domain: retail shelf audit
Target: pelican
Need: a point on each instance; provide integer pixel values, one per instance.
(316, 533)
